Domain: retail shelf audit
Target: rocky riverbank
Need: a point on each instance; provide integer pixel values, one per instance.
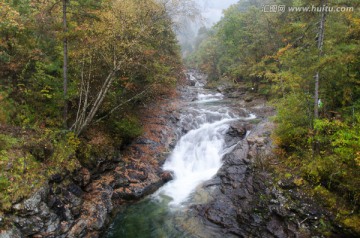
(246, 198)
(80, 204)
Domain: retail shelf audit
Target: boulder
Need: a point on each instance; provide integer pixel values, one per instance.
(166, 176)
(235, 133)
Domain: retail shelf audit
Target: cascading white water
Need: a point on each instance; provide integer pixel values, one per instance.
(209, 97)
(198, 155)
(204, 121)
(196, 158)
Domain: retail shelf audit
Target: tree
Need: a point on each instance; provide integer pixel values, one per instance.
(65, 64)
(320, 43)
(129, 50)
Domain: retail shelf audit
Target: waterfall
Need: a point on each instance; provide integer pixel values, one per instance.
(205, 118)
(198, 154)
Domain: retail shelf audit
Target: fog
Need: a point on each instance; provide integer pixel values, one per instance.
(211, 12)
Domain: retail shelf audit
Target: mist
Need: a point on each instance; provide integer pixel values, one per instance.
(211, 12)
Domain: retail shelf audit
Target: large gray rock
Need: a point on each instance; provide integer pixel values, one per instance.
(11, 233)
(235, 133)
(31, 205)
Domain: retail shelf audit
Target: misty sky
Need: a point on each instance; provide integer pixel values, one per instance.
(211, 12)
(212, 9)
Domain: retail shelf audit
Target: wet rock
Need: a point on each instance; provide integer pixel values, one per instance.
(146, 141)
(75, 189)
(56, 178)
(78, 230)
(117, 158)
(236, 130)
(287, 184)
(136, 175)
(119, 181)
(222, 213)
(31, 205)
(106, 166)
(235, 133)
(166, 176)
(191, 82)
(123, 193)
(236, 94)
(64, 227)
(212, 182)
(98, 214)
(248, 99)
(259, 141)
(11, 233)
(172, 144)
(225, 88)
(72, 205)
(174, 117)
(82, 177)
(275, 227)
(237, 156)
(29, 227)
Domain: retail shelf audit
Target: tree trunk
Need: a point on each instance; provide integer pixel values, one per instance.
(316, 96)
(320, 44)
(65, 63)
(84, 119)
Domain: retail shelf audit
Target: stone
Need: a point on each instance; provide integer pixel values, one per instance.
(236, 94)
(75, 189)
(235, 133)
(82, 177)
(29, 226)
(98, 214)
(31, 205)
(287, 184)
(106, 166)
(166, 176)
(56, 178)
(137, 175)
(248, 99)
(78, 230)
(119, 181)
(12, 233)
(236, 130)
(142, 140)
(191, 82)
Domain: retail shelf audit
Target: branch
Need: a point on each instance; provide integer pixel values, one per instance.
(123, 103)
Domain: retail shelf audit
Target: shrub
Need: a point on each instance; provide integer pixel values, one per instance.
(128, 128)
(294, 122)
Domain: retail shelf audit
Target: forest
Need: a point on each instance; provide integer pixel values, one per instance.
(69, 67)
(307, 64)
(73, 75)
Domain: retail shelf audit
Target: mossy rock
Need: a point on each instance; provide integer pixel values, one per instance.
(42, 151)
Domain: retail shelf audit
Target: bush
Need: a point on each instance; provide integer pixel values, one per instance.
(338, 165)
(128, 128)
(294, 122)
(6, 141)
(6, 107)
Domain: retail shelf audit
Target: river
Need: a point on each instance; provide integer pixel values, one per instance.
(196, 158)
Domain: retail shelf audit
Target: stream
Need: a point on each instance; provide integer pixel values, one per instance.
(196, 158)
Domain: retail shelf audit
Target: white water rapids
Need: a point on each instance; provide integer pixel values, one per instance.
(198, 154)
(204, 120)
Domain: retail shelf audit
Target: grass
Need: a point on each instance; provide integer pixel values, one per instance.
(22, 173)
